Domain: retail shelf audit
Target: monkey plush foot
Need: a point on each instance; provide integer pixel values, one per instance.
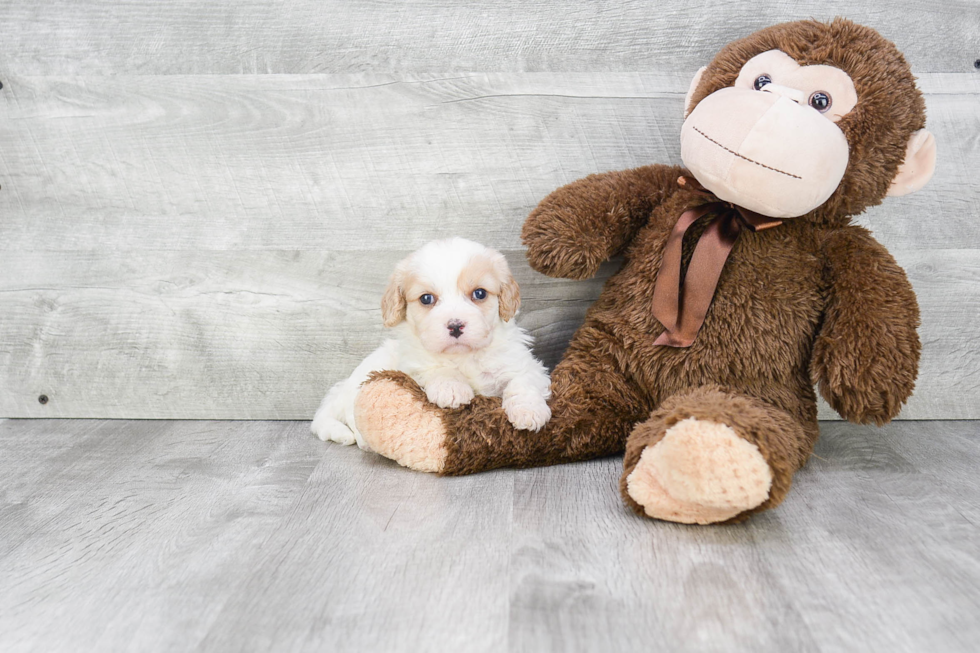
(393, 416)
(700, 472)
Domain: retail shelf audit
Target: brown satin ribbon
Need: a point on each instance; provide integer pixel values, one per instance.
(682, 309)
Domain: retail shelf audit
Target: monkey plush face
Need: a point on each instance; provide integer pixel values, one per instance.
(780, 122)
(770, 143)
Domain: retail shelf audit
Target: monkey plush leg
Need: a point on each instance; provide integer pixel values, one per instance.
(396, 419)
(710, 455)
(593, 409)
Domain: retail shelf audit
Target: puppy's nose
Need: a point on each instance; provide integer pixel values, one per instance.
(455, 327)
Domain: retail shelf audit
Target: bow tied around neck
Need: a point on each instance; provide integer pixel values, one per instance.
(682, 309)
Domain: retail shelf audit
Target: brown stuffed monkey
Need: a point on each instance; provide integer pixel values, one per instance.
(744, 283)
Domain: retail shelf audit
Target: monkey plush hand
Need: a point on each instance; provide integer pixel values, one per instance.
(744, 283)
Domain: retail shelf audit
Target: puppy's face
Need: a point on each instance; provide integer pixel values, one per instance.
(453, 294)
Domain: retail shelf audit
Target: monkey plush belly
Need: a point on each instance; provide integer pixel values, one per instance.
(758, 332)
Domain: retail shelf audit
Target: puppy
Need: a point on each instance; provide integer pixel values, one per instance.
(451, 308)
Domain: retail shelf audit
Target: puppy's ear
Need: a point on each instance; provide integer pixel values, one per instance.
(509, 299)
(393, 303)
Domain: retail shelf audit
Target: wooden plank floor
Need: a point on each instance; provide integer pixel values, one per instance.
(254, 536)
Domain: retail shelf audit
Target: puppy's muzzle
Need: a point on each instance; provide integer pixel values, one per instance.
(455, 328)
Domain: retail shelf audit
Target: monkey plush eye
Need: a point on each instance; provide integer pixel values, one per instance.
(761, 81)
(820, 101)
(427, 299)
(479, 294)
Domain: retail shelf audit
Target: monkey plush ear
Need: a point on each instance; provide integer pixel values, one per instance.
(917, 168)
(690, 91)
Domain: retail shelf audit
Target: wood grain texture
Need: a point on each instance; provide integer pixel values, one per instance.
(372, 162)
(200, 246)
(350, 162)
(219, 335)
(225, 536)
(81, 37)
(263, 335)
(135, 529)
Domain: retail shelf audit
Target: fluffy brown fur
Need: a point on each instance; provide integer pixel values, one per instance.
(815, 300)
(890, 107)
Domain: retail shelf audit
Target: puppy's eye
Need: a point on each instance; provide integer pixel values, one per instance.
(427, 299)
(479, 294)
(762, 80)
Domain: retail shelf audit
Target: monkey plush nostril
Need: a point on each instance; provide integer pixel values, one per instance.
(455, 328)
(785, 91)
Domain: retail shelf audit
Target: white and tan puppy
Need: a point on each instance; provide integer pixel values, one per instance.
(451, 307)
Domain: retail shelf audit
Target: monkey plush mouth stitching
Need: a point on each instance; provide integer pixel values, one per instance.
(788, 174)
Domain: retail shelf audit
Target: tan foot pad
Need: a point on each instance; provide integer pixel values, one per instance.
(700, 473)
(401, 426)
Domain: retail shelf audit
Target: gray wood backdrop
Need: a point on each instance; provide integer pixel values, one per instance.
(200, 202)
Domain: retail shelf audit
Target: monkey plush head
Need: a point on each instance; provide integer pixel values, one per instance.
(810, 119)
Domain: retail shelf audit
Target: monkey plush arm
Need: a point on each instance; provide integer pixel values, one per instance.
(866, 356)
(578, 226)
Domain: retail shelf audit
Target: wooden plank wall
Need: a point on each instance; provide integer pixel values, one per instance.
(200, 202)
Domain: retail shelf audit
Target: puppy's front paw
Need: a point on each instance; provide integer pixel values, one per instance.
(528, 412)
(449, 393)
